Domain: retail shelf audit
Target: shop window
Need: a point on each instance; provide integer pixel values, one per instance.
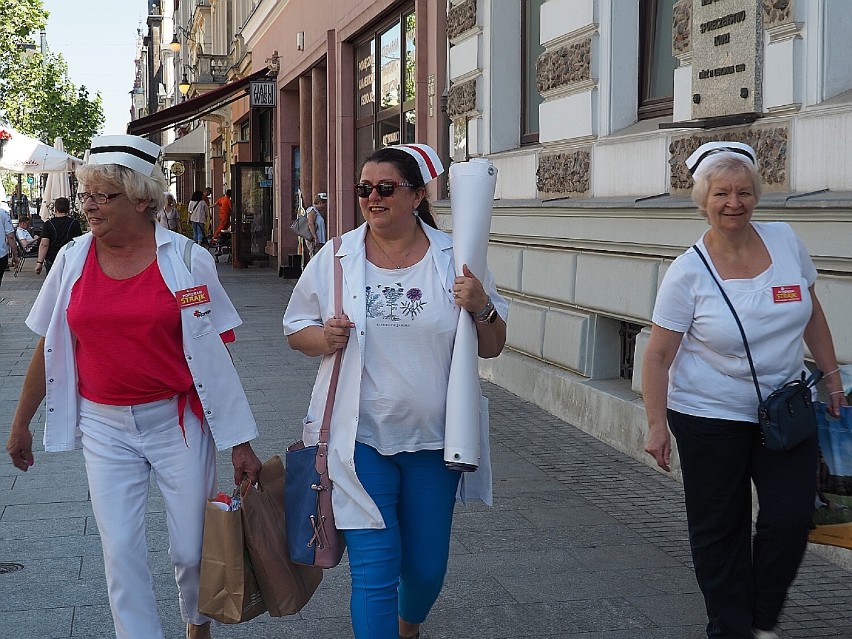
(531, 49)
(266, 135)
(386, 84)
(656, 62)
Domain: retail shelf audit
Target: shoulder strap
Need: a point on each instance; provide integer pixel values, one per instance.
(736, 318)
(325, 428)
(187, 254)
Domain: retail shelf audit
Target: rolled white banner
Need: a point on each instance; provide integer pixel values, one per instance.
(472, 187)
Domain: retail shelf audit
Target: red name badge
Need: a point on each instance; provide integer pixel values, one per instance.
(786, 294)
(192, 296)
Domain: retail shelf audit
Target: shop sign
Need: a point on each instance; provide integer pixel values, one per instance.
(262, 94)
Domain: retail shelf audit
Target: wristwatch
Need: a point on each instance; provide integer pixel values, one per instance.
(487, 314)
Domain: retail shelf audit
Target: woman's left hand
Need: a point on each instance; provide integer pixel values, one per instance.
(835, 400)
(246, 464)
(469, 292)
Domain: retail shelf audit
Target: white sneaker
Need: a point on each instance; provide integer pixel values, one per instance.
(763, 634)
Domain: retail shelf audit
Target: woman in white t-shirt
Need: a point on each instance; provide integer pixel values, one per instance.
(697, 381)
(393, 493)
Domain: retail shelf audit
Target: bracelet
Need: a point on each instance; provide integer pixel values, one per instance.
(836, 370)
(840, 392)
(42, 262)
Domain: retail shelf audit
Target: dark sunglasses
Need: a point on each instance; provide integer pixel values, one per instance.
(385, 188)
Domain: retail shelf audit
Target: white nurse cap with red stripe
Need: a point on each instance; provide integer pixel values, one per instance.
(428, 161)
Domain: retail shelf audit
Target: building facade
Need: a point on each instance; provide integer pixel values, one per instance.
(588, 108)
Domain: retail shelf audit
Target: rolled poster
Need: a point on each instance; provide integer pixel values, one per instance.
(472, 187)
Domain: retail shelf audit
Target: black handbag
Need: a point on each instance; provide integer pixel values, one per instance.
(787, 417)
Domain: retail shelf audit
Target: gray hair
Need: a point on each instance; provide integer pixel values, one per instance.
(134, 185)
(726, 164)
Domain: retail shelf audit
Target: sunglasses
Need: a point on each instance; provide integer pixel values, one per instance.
(385, 188)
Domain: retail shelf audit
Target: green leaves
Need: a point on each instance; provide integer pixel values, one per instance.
(36, 95)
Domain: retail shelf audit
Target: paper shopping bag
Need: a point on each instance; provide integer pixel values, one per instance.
(286, 586)
(833, 512)
(227, 590)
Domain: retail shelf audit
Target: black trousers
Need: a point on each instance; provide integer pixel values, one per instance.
(744, 581)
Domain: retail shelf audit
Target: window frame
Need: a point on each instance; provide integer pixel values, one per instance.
(650, 107)
(527, 137)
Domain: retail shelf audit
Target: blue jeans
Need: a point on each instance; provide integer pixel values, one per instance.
(399, 570)
(198, 232)
(744, 581)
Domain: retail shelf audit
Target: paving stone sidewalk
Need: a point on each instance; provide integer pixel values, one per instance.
(583, 542)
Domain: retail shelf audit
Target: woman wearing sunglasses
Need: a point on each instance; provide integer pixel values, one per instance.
(393, 494)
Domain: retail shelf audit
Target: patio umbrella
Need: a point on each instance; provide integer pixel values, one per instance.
(57, 185)
(20, 153)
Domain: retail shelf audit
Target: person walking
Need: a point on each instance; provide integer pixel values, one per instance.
(393, 493)
(697, 381)
(57, 232)
(159, 393)
(198, 217)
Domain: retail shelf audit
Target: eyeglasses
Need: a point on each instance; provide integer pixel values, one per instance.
(97, 198)
(385, 188)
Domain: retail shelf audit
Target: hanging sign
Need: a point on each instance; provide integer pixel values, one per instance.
(262, 94)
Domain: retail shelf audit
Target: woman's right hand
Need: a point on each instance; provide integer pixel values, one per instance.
(20, 448)
(336, 331)
(658, 444)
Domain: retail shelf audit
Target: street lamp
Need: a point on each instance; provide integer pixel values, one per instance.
(175, 44)
(184, 85)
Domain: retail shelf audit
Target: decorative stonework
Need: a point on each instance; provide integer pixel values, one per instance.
(682, 27)
(461, 18)
(769, 144)
(461, 98)
(564, 173)
(565, 65)
(777, 12)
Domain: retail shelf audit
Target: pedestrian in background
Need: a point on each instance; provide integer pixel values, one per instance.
(8, 246)
(696, 380)
(198, 216)
(139, 373)
(393, 493)
(169, 216)
(316, 223)
(58, 231)
(224, 205)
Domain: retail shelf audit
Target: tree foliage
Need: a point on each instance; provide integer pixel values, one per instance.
(43, 102)
(36, 95)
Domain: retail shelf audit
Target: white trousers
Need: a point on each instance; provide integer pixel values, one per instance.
(121, 446)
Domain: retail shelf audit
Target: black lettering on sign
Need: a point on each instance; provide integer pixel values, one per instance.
(724, 21)
(722, 38)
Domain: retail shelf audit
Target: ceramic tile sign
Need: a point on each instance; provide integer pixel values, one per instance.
(727, 57)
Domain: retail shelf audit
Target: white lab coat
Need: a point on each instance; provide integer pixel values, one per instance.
(226, 408)
(311, 304)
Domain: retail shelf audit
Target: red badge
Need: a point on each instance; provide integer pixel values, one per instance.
(786, 294)
(193, 296)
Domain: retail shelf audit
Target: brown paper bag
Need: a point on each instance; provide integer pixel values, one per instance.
(227, 591)
(286, 586)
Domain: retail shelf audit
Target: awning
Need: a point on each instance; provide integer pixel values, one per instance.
(189, 145)
(194, 108)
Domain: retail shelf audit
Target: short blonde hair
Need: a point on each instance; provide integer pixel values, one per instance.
(133, 184)
(724, 165)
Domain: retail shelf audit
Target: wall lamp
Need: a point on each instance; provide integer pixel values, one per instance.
(175, 44)
(184, 84)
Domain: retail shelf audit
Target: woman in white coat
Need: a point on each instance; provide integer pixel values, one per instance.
(401, 302)
(132, 365)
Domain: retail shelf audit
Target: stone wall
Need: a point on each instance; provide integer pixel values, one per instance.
(461, 98)
(564, 173)
(682, 27)
(770, 144)
(461, 18)
(567, 64)
(777, 12)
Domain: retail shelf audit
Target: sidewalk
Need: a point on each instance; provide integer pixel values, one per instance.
(583, 542)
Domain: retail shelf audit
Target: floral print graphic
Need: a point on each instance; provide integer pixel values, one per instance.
(386, 302)
(414, 304)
